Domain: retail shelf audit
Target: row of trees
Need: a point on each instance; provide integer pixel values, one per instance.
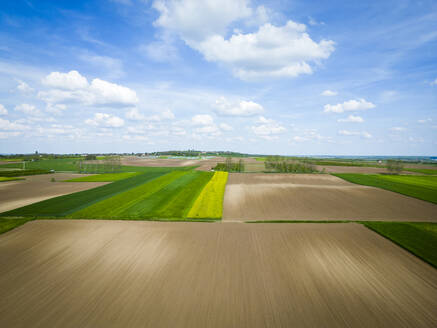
(230, 166)
(109, 164)
(282, 165)
(394, 166)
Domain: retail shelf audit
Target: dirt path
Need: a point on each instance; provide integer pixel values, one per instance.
(316, 197)
(150, 274)
(36, 188)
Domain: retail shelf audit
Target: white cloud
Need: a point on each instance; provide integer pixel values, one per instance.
(11, 126)
(112, 67)
(6, 135)
(242, 108)
(329, 93)
(225, 127)
(310, 135)
(351, 119)
(349, 106)
(3, 110)
(135, 115)
(105, 120)
(270, 52)
(202, 119)
(67, 81)
(73, 87)
(28, 109)
(397, 129)
(24, 87)
(56, 108)
(178, 131)
(355, 133)
(426, 120)
(267, 127)
(194, 20)
(434, 82)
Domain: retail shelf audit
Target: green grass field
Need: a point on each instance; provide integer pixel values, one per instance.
(418, 238)
(209, 204)
(60, 164)
(64, 205)
(423, 171)
(105, 177)
(421, 187)
(4, 179)
(9, 224)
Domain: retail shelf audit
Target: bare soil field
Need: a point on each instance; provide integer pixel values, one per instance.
(135, 161)
(316, 197)
(354, 169)
(154, 274)
(36, 188)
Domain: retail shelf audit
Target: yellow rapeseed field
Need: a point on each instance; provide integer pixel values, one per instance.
(209, 204)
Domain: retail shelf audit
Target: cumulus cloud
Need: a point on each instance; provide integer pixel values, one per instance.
(28, 109)
(270, 52)
(3, 110)
(434, 82)
(11, 126)
(241, 108)
(329, 93)
(68, 81)
(310, 135)
(105, 120)
(351, 119)
(194, 21)
(267, 128)
(202, 119)
(135, 115)
(425, 120)
(397, 129)
(73, 87)
(24, 87)
(225, 127)
(348, 133)
(56, 108)
(349, 106)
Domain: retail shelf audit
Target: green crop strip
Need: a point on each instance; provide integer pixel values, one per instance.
(421, 187)
(9, 224)
(64, 205)
(209, 204)
(123, 203)
(418, 238)
(105, 177)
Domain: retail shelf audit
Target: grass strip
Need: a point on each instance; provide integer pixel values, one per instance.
(9, 224)
(174, 200)
(64, 205)
(209, 204)
(300, 221)
(418, 238)
(423, 171)
(122, 204)
(421, 187)
(105, 177)
(4, 179)
(19, 173)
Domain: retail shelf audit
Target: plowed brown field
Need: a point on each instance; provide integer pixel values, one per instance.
(316, 197)
(151, 274)
(36, 188)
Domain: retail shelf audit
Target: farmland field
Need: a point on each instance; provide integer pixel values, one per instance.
(76, 273)
(209, 204)
(421, 187)
(35, 188)
(419, 238)
(316, 197)
(105, 177)
(3, 179)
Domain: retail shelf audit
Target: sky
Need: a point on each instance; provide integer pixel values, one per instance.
(263, 77)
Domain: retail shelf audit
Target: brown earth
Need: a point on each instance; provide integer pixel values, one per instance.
(35, 188)
(358, 169)
(316, 197)
(154, 274)
(207, 164)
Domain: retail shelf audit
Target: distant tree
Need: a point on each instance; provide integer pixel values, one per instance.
(394, 166)
(90, 157)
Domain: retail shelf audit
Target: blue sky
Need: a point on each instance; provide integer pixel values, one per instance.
(276, 77)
